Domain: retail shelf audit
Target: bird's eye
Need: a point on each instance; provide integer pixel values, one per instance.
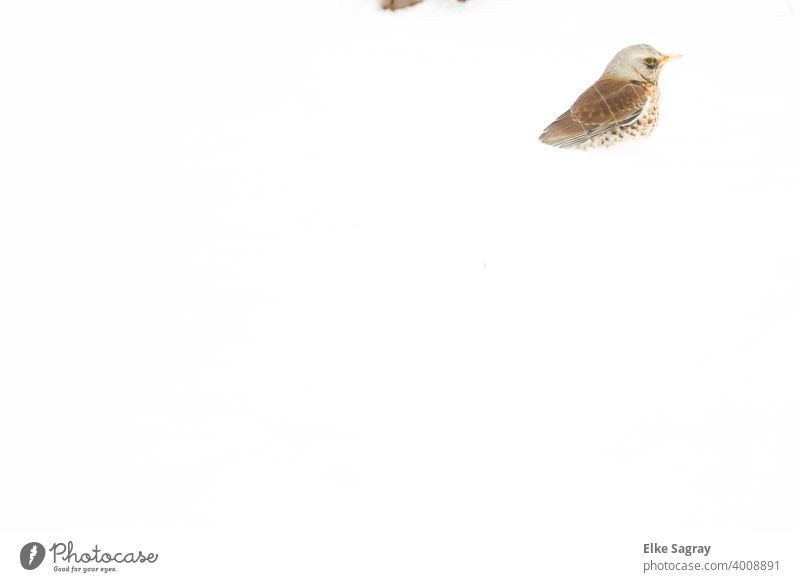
(650, 61)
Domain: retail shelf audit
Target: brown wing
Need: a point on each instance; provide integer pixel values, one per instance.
(608, 103)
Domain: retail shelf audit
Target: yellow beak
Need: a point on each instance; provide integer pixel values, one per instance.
(667, 58)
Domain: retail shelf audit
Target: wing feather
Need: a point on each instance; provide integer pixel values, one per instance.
(607, 104)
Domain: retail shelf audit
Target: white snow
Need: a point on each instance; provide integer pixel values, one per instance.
(291, 291)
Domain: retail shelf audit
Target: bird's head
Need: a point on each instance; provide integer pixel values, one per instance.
(639, 62)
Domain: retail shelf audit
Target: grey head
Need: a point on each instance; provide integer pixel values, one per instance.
(638, 63)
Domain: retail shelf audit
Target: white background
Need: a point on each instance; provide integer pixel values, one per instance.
(290, 291)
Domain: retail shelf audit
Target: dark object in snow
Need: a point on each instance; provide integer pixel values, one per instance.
(397, 4)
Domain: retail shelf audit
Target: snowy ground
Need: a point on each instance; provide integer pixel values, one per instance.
(291, 291)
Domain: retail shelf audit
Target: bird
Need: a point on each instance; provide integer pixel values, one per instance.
(620, 106)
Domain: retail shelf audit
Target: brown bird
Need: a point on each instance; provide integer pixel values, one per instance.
(621, 105)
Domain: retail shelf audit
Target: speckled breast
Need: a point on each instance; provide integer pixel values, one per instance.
(642, 127)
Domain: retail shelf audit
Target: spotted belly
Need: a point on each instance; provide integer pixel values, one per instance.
(642, 127)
